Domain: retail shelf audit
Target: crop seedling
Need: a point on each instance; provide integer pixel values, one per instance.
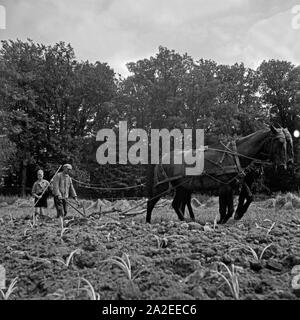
(11, 218)
(93, 295)
(43, 260)
(63, 229)
(58, 295)
(268, 229)
(70, 257)
(12, 287)
(31, 225)
(231, 280)
(295, 222)
(123, 263)
(215, 222)
(250, 249)
(162, 242)
(34, 220)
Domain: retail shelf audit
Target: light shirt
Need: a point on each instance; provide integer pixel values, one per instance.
(39, 186)
(63, 186)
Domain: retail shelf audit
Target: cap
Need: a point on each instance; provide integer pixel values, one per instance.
(67, 165)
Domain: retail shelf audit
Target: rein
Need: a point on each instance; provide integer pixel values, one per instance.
(241, 172)
(240, 155)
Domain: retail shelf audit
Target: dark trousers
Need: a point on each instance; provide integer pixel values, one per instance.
(61, 207)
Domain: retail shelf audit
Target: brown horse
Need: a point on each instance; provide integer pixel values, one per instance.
(245, 195)
(222, 169)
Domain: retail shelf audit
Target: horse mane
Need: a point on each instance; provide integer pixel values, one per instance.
(211, 139)
(251, 135)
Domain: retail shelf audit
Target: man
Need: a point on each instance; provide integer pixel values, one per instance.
(62, 189)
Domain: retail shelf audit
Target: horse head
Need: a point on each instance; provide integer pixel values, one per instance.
(277, 147)
(289, 148)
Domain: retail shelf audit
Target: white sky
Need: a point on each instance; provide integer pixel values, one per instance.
(121, 31)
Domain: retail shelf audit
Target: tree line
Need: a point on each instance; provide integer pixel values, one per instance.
(52, 106)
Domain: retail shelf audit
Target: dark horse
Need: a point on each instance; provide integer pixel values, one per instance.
(222, 169)
(245, 196)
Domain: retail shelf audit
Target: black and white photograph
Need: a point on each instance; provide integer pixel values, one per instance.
(150, 151)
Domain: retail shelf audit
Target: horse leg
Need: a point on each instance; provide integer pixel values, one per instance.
(229, 204)
(242, 198)
(150, 205)
(188, 202)
(177, 204)
(182, 194)
(242, 209)
(222, 204)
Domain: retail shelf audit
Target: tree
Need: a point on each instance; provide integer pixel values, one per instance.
(238, 111)
(279, 86)
(52, 101)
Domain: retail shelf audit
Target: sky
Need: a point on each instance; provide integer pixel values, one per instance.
(122, 31)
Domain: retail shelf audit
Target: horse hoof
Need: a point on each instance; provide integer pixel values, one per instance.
(226, 219)
(238, 216)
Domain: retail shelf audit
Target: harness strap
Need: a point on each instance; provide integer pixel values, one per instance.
(224, 154)
(166, 178)
(241, 173)
(237, 159)
(236, 167)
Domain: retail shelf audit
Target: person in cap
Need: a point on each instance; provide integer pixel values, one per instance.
(62, 189)
(40, 194)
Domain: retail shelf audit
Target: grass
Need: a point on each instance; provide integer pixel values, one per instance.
(231, 280)
(60, 294)
(93, 295)
(253, 252)
(111, 233)
(264, 228)
(8, 199)
(12, 287)
(68, 261)
(63, 229)
(73, 294)
(11, 217)
(124, 263)
(32, 225)
(162, 242)
(215, 222)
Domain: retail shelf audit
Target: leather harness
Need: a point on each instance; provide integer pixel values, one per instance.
(235, 168)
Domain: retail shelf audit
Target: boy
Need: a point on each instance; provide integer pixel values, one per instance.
(40, 201)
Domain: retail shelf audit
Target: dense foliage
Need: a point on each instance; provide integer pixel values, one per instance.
(52, 106)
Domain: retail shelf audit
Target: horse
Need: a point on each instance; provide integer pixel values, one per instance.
(289, 148)
(226, 192)
(223, 170)
(246, 193)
